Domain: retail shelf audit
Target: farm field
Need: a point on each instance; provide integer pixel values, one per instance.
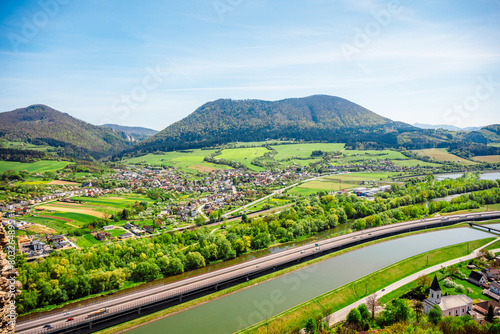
(442, 155)
(63, 217)
(25, 146)
(188, 161)
(415, 163)
(86, 240)
(331, 183)
(304, 150)
(357, 155)
(488, 158)
(33, 167)
(244, 156)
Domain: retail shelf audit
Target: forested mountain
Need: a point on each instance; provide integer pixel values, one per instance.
(491, 133)
(40, 124)
(131, 134)
(318, 117)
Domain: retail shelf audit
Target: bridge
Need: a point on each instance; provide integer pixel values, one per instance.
(140, 303)
(485, 227)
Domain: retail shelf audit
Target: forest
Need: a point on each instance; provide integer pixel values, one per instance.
(72, 274)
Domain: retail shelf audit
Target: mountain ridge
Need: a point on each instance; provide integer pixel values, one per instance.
(43, 125)
(317, 117)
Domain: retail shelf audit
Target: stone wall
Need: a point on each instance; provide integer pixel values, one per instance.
(9, 288)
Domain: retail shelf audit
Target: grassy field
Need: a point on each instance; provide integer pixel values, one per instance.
(33, 167)
(86, 240)
(189, 161)
(356, 155)
(415, 163)
(63, 217)
(332, 183)
(304, 150)
(293, 319)
(476, 294)
(487, 158)
(244, 156)
(441, 154)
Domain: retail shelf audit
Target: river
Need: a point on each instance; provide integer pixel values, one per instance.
(493, 176)
(246, 307)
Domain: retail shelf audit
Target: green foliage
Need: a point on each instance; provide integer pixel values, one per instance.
(435, 314)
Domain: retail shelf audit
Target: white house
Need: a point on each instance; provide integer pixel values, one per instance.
(454, 306)
(477, 278)
(495, 288)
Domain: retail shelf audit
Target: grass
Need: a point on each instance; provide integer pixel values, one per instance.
(188, 161)
(415, 163)
(33, 167)
(293, 319)
(487, 158)
(244, 156)
(441, 154)
(476, 294)
(332, 183)
(304, 150)
(59, 226)
(86, 240)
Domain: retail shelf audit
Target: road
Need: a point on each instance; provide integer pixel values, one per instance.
(212, 279)
(341, 315)
(279, 191)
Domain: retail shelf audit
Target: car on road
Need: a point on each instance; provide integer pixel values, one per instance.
(383, 289)
(302, 252)
(47, 326)
(70, 319)
(67, 313)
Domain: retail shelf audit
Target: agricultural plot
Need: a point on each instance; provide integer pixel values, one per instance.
(415, 163)
(349, 181)
(86, 240)
(357, 155)
(244, 156)
(188, 161)
(441, 154)
(488, 158)
(304, 150)
(33, 167)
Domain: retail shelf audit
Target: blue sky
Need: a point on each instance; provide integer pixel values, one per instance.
(151, 63)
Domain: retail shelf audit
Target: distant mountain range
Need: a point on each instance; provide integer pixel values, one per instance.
(314, 118)
(42, 125)
(131, 134)
(318, 117)
(445, 127)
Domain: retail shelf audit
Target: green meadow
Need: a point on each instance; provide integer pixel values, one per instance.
(33, 167)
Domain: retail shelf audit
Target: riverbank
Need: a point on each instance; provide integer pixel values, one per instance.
(337, 299)
(197, 302)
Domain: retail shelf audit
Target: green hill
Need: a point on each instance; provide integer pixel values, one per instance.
(42, 125)
(319, 117)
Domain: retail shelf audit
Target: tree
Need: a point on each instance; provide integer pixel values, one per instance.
(435, 315)
(418, 307)
(310, 326)
(371, 303)
(397, 311)
(491, 314)
(363, 311)
(354, 317)
(194, 260)
(424, 281)
(145, 271)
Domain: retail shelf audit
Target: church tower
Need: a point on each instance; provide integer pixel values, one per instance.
(435, 291)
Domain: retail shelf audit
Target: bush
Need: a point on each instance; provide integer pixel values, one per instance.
(449, 283)
(459, 288)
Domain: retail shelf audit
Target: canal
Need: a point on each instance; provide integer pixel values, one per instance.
(246, 307)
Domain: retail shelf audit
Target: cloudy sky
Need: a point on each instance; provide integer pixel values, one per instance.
(151, 63)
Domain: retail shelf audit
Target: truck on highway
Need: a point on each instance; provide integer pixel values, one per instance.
(100, 311)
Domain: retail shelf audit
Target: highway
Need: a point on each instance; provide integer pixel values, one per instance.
(210, 280)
